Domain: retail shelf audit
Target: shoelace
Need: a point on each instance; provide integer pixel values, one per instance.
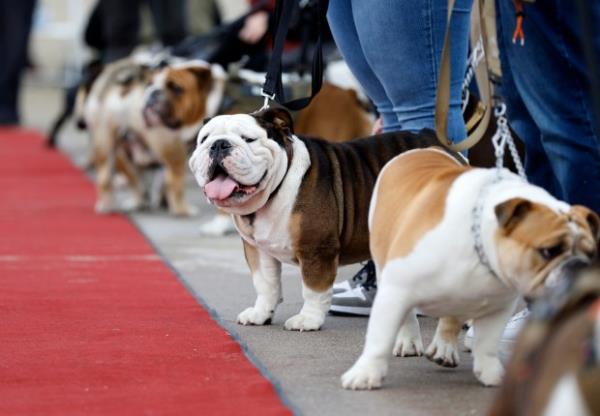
(362, 273)
(371, 282)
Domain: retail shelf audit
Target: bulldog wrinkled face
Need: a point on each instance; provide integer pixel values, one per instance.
(238, 163)
(534, 242)
(176, 96)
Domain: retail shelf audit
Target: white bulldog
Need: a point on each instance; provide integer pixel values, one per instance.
(458, 243)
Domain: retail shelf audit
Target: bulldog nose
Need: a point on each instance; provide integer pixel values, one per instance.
(220, 145)
(153, 97)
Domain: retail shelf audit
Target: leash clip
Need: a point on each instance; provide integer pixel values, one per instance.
(503, 138)
(268, 97)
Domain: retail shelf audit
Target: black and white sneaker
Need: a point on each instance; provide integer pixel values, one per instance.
(358, 279)
(358, 300)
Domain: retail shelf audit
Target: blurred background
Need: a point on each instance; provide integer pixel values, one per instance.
(58, 50)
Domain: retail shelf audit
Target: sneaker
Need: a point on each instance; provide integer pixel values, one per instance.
(358, 279)
(356, 301)
(509, 337)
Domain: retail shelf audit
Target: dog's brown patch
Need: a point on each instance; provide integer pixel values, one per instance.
(187, 89)
(526, 252)
(410, 201)
(334, 114)
(251, 254)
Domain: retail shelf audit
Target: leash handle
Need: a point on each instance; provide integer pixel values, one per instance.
(273, 86)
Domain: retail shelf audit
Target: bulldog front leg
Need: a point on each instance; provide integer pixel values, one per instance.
(172, 153)
(318, 274)
(390, 310)
(266, 277)
(487, 331)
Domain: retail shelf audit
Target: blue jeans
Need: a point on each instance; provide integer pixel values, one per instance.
(394, 47)
(545, 86)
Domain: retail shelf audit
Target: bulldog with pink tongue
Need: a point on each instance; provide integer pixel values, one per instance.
(293, 200)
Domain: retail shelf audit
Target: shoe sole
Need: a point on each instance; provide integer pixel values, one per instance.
(351, 310)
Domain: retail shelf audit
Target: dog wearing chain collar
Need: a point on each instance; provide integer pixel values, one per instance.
(294, 200)
(460, 243)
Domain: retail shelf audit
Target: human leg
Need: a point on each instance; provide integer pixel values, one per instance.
(402, 42)
(15, 26)
(549, 74)
(343, 29)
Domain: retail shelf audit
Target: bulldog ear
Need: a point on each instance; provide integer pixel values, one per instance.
(203, 77)
(510, 213)
(279, 117)
(589, 216)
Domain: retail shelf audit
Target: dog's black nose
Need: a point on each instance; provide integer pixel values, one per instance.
(153, 98)
(220, 145)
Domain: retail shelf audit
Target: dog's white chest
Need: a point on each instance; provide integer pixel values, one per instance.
(272, 236)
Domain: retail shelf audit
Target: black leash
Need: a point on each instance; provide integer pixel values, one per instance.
(273, 87)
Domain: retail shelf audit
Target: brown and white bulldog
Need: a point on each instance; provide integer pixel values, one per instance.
(459, 243)
(143, 112)
(294, 200)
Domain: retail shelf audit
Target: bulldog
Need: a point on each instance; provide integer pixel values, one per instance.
(294, 200)
(460, 243)
(139, 113)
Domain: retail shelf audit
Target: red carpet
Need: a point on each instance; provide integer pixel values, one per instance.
(91, 320)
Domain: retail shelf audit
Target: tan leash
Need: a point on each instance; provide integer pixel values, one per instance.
(442, 101)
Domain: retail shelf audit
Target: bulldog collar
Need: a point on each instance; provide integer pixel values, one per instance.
(289, 151)
(476, 220)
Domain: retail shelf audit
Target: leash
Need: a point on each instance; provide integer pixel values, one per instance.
(273, 87)
(442, 99)
(501, 140)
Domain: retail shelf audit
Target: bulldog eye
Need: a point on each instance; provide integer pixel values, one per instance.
(549, 253)
(203, 139)
(174, 88)
(248, 139)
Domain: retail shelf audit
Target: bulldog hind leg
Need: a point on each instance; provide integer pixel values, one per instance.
(266, 277)
(408, 341)
(443, 349)
(104, 162)
(124, 165)
(318, 274)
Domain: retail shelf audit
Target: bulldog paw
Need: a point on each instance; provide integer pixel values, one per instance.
(443, 353)
(408, 347)
(103, 206)
(254, 316)
(489, 372)
(303, 323)
(133, 203)
(365, 375)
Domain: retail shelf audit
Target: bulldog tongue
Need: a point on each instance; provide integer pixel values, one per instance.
(220, 188)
